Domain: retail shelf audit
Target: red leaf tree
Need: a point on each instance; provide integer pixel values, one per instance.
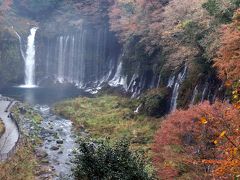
(228, 59)
(202, 141)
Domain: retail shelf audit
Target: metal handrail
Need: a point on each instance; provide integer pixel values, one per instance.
(9, 105)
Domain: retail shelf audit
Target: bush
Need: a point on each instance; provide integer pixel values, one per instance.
(100, 160)
(154, 102)
(192, 32)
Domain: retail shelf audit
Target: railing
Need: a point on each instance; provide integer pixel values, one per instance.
(9, 105)
(5, 156)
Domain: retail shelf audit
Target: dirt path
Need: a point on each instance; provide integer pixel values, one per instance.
(11, 134)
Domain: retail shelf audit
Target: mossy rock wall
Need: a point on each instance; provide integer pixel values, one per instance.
(11, 62)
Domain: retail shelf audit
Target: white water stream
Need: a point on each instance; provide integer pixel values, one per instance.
(29, 59)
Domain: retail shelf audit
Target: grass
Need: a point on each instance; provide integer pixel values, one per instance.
(28, 113)
(110, 117)
(2, 128)
(35, 117)
(22, 165)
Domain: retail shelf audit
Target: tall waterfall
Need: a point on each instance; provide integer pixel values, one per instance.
(29, 59)
(86, 58)
(89, 58)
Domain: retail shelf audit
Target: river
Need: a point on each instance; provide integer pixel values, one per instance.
(59, 139)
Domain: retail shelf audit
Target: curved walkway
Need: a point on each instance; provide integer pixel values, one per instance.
(11, 134)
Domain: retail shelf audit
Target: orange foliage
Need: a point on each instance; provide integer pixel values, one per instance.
(136, 17)
(156, 22)
(228, 59)
(204, 139)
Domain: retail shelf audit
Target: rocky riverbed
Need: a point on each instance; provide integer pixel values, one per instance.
(59, 142)
(54, 138)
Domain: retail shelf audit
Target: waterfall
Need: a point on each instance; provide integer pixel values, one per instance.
(171, 81)
(195, 92)
(139, 86)
(159, 79)
(71, 60)
(181, 76)
(87, 58)
(83, 51)
(153, 82)
(63, 45)
(21, 46)
(29, 59)
(132, 83)
(204, 92)
(118, 79)
(47, 58)
(137, 109)
(83, 58)
(221, 86)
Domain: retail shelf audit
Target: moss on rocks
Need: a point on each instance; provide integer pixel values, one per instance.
(11, 62)
(155, 102)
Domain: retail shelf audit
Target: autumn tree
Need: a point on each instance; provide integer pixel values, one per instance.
(228, 56)
(160, 24)
(202, 141)
(130, 18)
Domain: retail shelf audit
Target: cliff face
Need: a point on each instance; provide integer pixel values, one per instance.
(11, 63)
(167, 44)
(75, 44)
(86, 57)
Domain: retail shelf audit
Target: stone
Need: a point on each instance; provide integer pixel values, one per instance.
(45, 161)
(40, 153)
(59, 141)
(82, 128)
(60, 129)
(54, 148)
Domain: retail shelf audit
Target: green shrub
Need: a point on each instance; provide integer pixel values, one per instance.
(222, 10)
(154, 102)
(192, 31)
(100, 160)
